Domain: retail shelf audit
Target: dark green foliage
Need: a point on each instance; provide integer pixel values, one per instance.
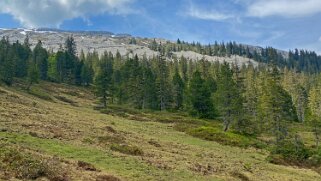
(178, 90)
(7, 63)
(292, 152)
(200, 97)
(40, 59)
(162, 83)
(103, 80)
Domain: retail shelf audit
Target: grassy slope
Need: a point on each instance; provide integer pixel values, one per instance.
(74, 131)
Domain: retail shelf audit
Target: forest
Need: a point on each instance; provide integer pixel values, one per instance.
(248, 100)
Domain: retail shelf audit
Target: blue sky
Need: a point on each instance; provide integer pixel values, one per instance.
(283, 24)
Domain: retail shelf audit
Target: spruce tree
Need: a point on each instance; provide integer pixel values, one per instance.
(103, 80)
(33, 74)
(178, 90)
(162, 83)
(40, 58)
(200, 97)
(227, 96)
(7, 63)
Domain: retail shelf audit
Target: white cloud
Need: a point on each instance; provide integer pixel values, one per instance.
(52, 13)
(284, 8)
(207, 15)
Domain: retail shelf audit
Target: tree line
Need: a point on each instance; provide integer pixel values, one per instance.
(249, 99)
(299, 60)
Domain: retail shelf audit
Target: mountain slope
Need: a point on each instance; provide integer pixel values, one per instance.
(89, 41)
(56, 120)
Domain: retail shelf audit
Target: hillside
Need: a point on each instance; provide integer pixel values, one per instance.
(104, 41)
(56, 123)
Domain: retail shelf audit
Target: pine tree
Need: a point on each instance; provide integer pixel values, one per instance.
(162, 83)
(178, 90)
(200, 97)
(251, 100)
(40, 58)
(103, 80)
(71, 62)
(33, 74)
(227, 96)
(7, 63)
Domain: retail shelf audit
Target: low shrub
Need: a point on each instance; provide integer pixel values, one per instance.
(127, 149)
(225, 138)
(24, 165)
(65, 99)
(39, 93)
(294, 152)
(111, 139)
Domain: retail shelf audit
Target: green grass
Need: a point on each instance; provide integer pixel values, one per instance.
(126, 167)
(204, 129)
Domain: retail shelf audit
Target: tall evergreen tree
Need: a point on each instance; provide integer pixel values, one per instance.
(103, 80)
(7, 63)
(33, 74)
(162, 83)
(200, 97)
(40, 58)
(178, 90)
(227, 96)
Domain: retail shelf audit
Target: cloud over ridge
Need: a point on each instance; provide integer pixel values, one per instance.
(52, 13)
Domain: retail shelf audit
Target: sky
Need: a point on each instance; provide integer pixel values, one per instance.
(283, 24)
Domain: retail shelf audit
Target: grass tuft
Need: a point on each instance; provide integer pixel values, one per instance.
(127, 149)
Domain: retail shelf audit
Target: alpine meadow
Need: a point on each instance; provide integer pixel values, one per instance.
(82, 103)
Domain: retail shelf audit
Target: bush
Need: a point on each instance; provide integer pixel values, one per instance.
(225, 138)
(291, 152)
(315, 159)
(127, 149)
(39, 93)
(24, 165)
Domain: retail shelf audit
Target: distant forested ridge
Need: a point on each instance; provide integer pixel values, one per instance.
(299, 60)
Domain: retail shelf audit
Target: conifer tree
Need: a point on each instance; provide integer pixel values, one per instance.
(33, 74)
(178, 90)
(6, 61)
(40, 58)
(162, 83)
(315, 111)
(200, 97)
(103, 80)
(227, 96)
(276, 105)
